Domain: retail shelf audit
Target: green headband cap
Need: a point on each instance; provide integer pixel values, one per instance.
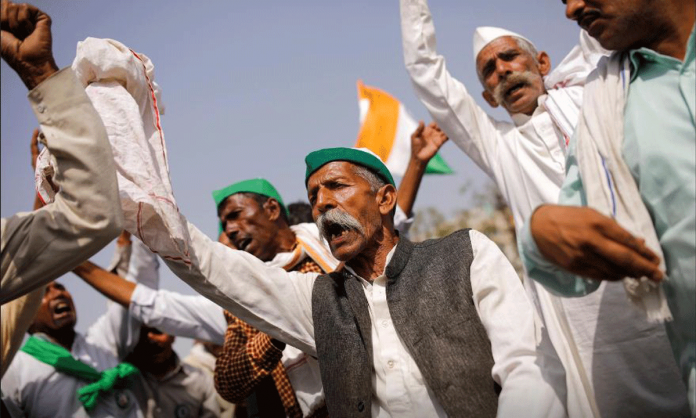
(258, 186)
(361, 156)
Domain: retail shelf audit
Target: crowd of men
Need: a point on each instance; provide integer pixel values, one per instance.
(326, 308)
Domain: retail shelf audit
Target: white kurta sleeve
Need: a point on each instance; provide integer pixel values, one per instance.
(144, 266)
(508, 317)
(268, 298)
(447, 100)
(116, 331)
(39, 246)
(179, 315)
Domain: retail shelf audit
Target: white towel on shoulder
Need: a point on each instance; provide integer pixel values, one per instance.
(608, 183)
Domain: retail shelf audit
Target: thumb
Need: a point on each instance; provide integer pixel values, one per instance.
(9, 46)
(419, 130)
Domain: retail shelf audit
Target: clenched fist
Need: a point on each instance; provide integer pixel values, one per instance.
(26, 42)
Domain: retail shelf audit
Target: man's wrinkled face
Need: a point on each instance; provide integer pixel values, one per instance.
(617, 24)
(511, 76)
(248, 226)
(345, 209)
(57, 310)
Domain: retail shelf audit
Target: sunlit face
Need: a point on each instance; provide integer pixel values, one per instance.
(511, 76)
(618, 24)
(57, 310)
(336, 186)
(250, 226)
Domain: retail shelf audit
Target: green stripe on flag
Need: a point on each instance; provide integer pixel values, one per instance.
(437, 165)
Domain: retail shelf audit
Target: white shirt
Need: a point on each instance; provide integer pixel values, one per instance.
(279, 303)
(527, 162)
(34, 389)
(199, 318)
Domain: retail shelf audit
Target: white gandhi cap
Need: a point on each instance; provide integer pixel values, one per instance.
(487, 34)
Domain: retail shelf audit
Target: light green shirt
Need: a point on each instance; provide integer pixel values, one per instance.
(659, 148)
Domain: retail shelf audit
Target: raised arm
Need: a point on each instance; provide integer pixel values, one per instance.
(40, 246)
(269, 299)
(508, 317)
(425, 143)
(448, 101)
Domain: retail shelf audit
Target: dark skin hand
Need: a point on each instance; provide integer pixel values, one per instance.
(425, 143)
(587, 243)
(26, 42)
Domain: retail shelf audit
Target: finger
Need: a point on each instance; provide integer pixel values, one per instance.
(615, 232)
(419, 130)
(26, 17)
(600, 272)
(9, 45)
(9, 14)
(627, 262)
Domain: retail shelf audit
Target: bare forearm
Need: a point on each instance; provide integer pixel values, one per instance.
(408, 189)
(110, 285)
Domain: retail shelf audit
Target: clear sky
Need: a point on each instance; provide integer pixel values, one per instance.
(251, 87)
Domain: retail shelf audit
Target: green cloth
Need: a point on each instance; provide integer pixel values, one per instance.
(317, 159)
(258, 186)
(61, 359)
(659, 148)
(437, 165)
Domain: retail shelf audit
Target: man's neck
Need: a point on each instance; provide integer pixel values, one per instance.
(371, 263)
(65, 338)
(285, 239)
(675, 34)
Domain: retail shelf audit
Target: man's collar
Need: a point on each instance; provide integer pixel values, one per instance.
(641, 55)
(520, 119)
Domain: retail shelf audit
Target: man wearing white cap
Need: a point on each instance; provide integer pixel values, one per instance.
(526, 159)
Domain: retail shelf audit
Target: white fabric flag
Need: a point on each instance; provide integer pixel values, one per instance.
(120, 83)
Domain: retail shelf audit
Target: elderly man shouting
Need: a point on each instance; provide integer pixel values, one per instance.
(526, 159)
(400, 329)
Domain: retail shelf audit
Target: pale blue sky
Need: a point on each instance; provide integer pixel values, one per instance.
(251, 87)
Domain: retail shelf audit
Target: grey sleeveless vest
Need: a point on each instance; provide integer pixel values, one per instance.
(430, 300)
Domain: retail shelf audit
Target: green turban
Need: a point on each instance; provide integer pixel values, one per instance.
(361, 156)
(258, 186)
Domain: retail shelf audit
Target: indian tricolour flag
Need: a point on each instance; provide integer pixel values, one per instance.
(386, 128)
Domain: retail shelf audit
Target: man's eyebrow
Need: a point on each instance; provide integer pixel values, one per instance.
(488, 66)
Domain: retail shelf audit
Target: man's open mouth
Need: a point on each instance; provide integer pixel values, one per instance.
(243, 244)
(334, 231)
(61, 308)
(515, 87)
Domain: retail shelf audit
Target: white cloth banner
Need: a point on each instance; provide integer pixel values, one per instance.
(120, 83)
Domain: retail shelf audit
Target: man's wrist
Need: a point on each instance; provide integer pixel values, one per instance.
(39, 74)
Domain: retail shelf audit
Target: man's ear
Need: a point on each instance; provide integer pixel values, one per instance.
(272, 209)
(544, 63)
(488, 97)
(386, 199)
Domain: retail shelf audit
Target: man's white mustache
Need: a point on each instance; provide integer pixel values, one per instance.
(337, 217)
(526, 77)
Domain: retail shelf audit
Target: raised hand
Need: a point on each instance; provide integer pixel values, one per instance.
(426, 141)
(26, 43)
(585, 242)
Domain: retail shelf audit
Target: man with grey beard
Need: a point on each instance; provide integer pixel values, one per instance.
(526, 159)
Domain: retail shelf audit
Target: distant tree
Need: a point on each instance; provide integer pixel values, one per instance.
(489, 214)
